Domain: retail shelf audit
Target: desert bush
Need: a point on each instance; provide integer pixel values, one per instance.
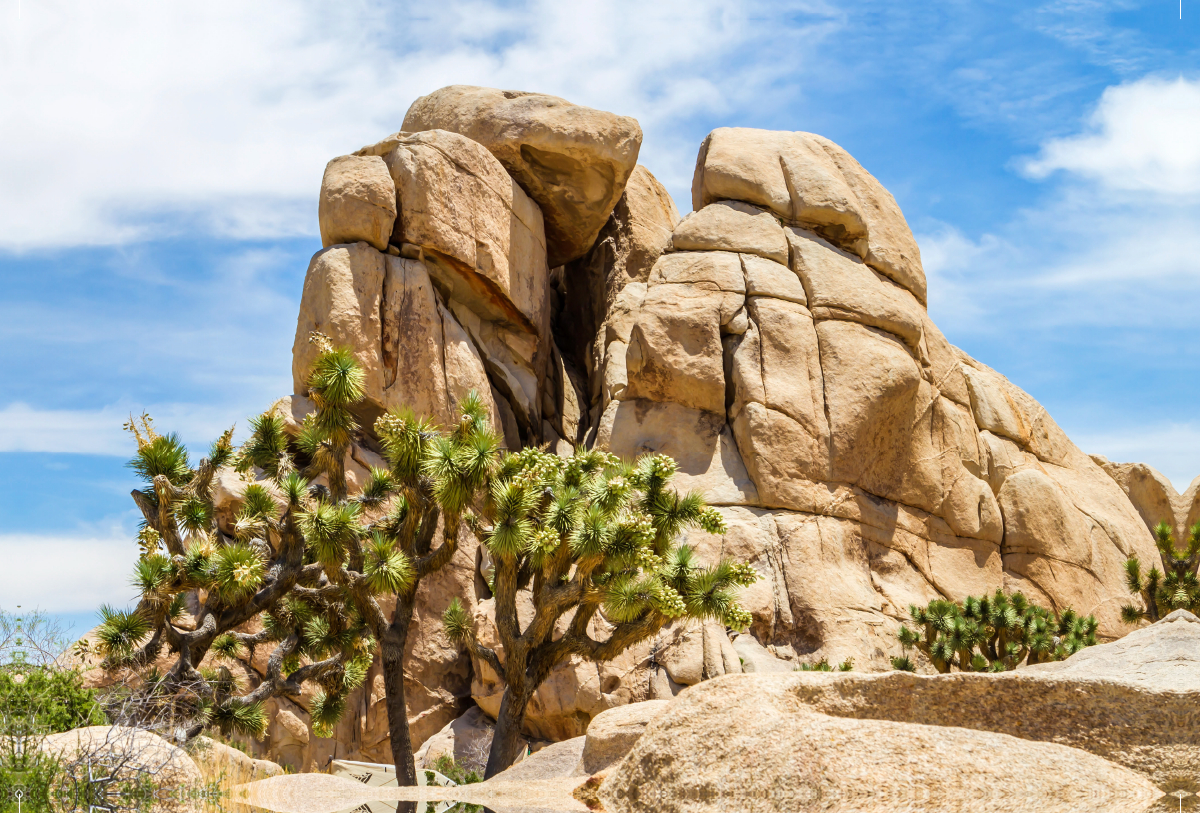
(1175, 587)
(992, 634)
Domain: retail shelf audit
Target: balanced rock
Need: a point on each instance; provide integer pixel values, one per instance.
(573, 160)
(358, 202)
(746, 742)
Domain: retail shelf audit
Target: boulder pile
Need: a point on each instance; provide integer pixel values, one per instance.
(775, 342)
(1110, 728)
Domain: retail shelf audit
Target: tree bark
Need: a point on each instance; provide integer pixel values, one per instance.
(394, 642)
(506, 744)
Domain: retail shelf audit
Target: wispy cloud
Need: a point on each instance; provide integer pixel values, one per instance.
(123, 120)
(65, 574)
(99, 432)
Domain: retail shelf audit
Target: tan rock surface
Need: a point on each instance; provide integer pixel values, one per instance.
(612, 734)
(483, 232)
(731, 225)
(1131, 702)
(813, 183)
(135, 751)
(221, 762)
(1154, 496)
(573, 160)
(862, 462)
(358, 202)
(747, 742)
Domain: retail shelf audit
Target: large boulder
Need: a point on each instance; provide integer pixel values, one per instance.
(811, 182)
(358, 202)
(780, 349)
(613, 733)
(459, 206)
(573, 160)
(775, 342)
(746, 743)
(414, 351)
(134, 754)
(1155, 497)
(1127, 701)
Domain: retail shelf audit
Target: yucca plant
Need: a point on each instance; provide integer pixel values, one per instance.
(1175, 587)
(594, 539)
(277, 565)
(992, 634)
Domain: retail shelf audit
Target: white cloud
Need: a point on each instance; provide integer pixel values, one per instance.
(1144, 136)
(69, 431)
(66, 574)
(116, 117)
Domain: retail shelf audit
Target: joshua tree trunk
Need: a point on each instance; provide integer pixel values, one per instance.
(394, 641)
(506, 745)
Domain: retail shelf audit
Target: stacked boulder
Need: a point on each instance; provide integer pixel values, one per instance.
(775, 342)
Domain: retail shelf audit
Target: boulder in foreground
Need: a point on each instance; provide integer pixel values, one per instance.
(747, 743)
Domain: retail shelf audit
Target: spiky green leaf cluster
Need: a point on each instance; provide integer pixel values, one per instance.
(992, 633)
(1175, 587)
(120, 632)
(615, 525)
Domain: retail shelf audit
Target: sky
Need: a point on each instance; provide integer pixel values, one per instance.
(160, 164)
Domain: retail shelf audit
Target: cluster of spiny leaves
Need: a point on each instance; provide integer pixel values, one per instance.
(584, 535)
(284, 562)
(992, 634)
(1175, 587)
(611, 526)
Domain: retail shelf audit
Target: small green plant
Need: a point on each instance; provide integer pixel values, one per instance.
(1175, 587)
(823, 666)
(459, 775)
(992, 634)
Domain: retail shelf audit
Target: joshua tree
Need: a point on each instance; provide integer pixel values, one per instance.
(992, 634)
(273, 566)
(596, 538)
(1175, 587)
(327, 556)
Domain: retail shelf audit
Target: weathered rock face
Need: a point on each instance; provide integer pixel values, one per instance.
(1154, 496)
(574, 161)
(813, 183)
(358, 202)
(775, 342)
(780, 349)
(133, 753)
(613, 733)
(749, 743)
(1132, 702)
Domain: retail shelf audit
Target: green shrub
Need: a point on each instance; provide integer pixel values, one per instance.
(823, 666)
(992, 634)
(1175, 587)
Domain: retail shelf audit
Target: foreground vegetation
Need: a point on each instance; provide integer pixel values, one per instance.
(1175, 587)
(310, 562)
(992, 634)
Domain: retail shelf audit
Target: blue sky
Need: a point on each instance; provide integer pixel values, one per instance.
(161, 163)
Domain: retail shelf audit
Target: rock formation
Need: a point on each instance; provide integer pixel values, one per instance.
(775, 342)
(746, 742)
